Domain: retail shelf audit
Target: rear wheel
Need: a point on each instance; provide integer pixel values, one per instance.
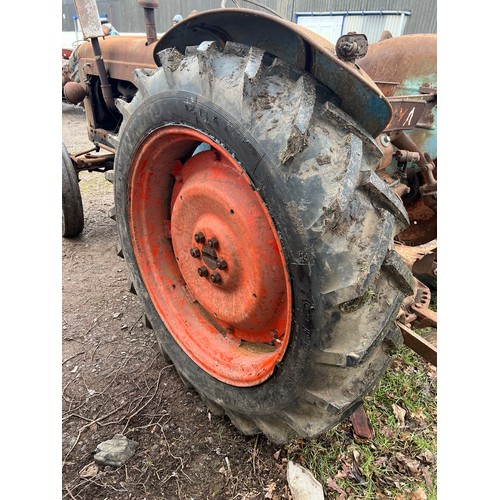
(72, 207)
(265, 262)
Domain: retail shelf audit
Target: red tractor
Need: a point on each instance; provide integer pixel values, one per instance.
(264, 184)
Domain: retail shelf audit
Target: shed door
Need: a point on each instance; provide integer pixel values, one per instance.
(329, 27)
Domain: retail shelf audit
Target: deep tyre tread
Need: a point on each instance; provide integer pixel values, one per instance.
(313, 167)
(72, 206)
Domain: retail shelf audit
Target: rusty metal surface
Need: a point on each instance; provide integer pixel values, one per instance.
(427, 264)
(121, 55)
(421, 296)
(358, 95)
(406, 113)
(416, 313)
(418, 344)
(100, 136)
(74, 92)
(404, 59)
(91, 160)
(425, 317)
(404, 141)
(407, 66)
(423, 224)
(420, 259)
(149, 18)
(88, 16)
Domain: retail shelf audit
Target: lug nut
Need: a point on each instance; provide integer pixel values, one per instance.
(213, 243)
(199, 238)
(215, 278)
(203, 271)
(221, 264)
(195, 252)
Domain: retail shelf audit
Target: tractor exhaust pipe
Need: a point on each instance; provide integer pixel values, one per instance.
(149, 7)
(107, 92)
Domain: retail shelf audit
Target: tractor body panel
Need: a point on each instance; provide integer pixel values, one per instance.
(407, 66)
(122, 55)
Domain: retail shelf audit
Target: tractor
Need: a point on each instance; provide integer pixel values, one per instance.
(275, 200)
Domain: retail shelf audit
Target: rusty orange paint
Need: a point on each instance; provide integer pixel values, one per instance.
(235, 321)
(121, 59)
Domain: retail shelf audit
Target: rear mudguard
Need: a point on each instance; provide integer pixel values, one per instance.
(358, 95)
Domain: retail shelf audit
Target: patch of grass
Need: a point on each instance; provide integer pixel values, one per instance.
(433, 305)
(94, 183)
(401, 458)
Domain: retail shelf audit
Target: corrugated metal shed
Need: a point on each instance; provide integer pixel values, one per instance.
(423, 18)
(127, 16)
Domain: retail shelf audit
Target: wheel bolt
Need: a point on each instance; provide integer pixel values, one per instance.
(199, 238)
(195, 252)
(215, 278)
(203, 271)
(213, 243)
(221, 264)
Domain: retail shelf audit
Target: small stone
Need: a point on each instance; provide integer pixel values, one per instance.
(303, 485)
(115, 452)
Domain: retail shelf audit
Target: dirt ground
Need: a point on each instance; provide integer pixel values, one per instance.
(115, 381)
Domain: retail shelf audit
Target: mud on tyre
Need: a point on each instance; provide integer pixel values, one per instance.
(263, 259)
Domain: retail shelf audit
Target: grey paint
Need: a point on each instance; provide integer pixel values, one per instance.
(126, 16)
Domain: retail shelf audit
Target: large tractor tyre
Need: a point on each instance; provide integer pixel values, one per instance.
(72, 207)
(263, 259)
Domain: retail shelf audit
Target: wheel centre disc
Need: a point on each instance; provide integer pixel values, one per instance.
(209, 256)
(241, 282)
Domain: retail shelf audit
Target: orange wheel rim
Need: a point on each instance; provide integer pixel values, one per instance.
(209, 256)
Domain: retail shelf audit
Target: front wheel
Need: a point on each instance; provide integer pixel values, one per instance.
(72, 207)
(265, 262)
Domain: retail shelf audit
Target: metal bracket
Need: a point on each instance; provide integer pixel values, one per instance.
(418, 344)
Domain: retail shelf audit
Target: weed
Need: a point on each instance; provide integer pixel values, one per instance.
(355, 304)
